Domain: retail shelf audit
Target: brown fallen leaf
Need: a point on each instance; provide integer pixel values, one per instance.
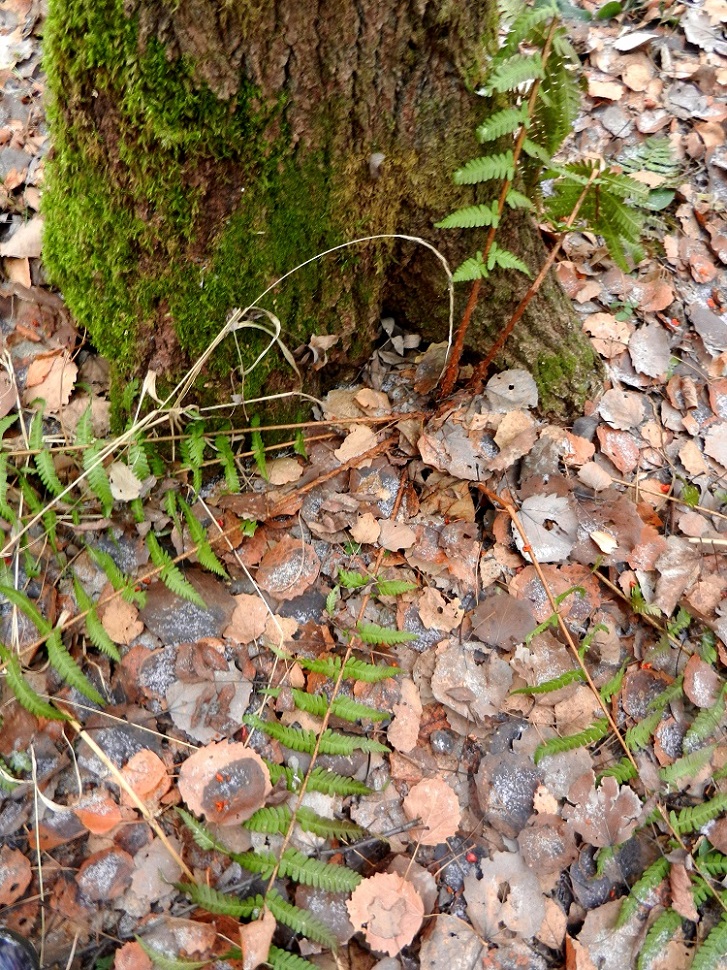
(56, 387)
(249, 619)
(288, 569)
(15, 875)
(388, 910)
(226, 783)
(602, 816)
(255, 940)
(434, 802)
(121, 621)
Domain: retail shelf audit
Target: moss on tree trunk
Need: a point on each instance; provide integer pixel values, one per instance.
(203, 149)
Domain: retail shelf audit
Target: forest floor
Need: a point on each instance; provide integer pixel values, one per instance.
(532, 584)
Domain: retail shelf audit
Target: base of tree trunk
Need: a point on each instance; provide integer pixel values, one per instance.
(199, 155)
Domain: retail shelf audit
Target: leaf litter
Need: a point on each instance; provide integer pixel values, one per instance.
(498, 850)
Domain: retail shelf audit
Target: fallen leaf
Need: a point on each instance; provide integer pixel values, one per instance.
(248, 620)
(550, 525)
(396, 535)
(256, 939)
(56, 386)
(357, 442)
(146, 774)
(366, 529)
(506, 897)
(25, 241)
(98, 812)
(510, 390)
(125, 486)
(403, 731)
(106, 874)
(282, 471)
(436, 613)
(622, 409)
(649, 350)
(15, 875)
(702, 684)
(434, 802)
(603, 816)
(288, 569)
(225, 782)
(388, 910)
(121, 621)
(682, 892)
(609, 336)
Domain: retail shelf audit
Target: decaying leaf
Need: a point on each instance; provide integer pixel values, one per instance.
(434, 802)
(603, 816)
(388, 910)
(288, 569)
(507, 897)
(255, 940)
(224, 782)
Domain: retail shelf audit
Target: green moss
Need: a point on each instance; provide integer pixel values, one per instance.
(556, 372)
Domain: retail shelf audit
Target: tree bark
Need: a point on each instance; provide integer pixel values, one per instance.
(204, 148)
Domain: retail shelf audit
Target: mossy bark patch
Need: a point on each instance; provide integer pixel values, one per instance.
(204, 149)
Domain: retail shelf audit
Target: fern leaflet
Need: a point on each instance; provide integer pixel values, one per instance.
(503, 123)
(67, 668)
(43, 459)
(692, 819)
(372, 633)
(170, 574)
(321, 780)
(227, 460)
(486, 168)
(24, 693)
(164, 962)
(471, 217)
(662, 930)
(394, 587)
(344, 707)
(258, 449)
(205, 555)
(282, 960)
(299, 920)
(300, 740)
(94, 627)
(510, 73)
(643, 892)
(598, 730)
(687, 766)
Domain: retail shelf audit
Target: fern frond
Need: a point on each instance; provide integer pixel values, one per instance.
(271, 819)
(215, 901)
(471, 217)
(503, 258)
(516, 200)
(316, 873)
(373, 633)
(350, 579)
(94, 627)
(509, 73)
(227, 460)
(705, 724)
(205, 555)
(97, 478)
(200, 833)
(692, 819)
(300, 740)
(673, 692)
(688, 766)
(24, 693)
(598, 730)
(344, 707)
(120, 582)
(138, 460)
(639, 735)
(282, 960)
(486, 168)
(471, 269)
(67, 668)
(548, 686)
(613, 685)
(714, 864)
(660, 933)
(5, 511)
(192, 449)
(164, 962)
(623, 771)
(394, 587)
(170, 573)
(43, 460)
(321, 780)
(327, 828)
(643, 891)
(258, 448)
(525, 23)
(503, 123)
(710, 955)
(299, 920)
(331, 666)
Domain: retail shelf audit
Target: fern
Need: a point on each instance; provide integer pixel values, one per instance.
(394, 587)
(710, 955)
(509, 73)
(220, 903)
(120, 582)
(613, 686)
(660, 933)
(170, 574)
(43, 459)
(205, 555)
(321, 779)
(598, 730)
(24, 693)
(352, 580)
(94, 627)
(688, 766)
(342, 707)
(714, 864)
(623, 771)
(300, 740)
(301, 869)
(639, 735)
(229, 466)
(299, 920)
(327, 828)
(503, 123)
(5, 510)
(471, 269)
(164, 962)
(643, 891)
(282, 960)
(548, 686)
(471, 217)
(516, 200)
(272, 819)
(503, 258)
(331, 667)
(705, 723)
(201, 834)
(192, 449)
(671, 693)
(372, 633)
(692, 819)
(485, 169)
(258, 449)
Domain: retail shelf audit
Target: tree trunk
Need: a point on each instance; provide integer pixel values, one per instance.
(204, 148)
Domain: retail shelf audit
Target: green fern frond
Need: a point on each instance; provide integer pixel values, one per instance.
(300, 446)
(653, 155)
(661, 932)
(138, 459)
(692, 819)
(321, 779)
(192, 449)
(485, 169)
(548, 686)
(316, 873)
(623, 771)
(227, 460)
(394, 587)
(509, 73)
(43, 460)
(714, 864)
(26, 606)
(300, 740)
(220, 903)
(503, 123)
(200, 833)
(299, 920)
(671, 693)
(471, 269)
(516, 200)
(524, 24)
(97, 478)
(710, 955)
(705, 724)
(471, 217)
(5, 511)
(205, 555)
(282, 960)
(271, 819)
(344, 707)
(351, 579)
(258, 448)
(643, 891)
(598, 730)
(503, 258)
(639, 735)
(613, 686)
(331, 667)
(688, 766)
(120, 582)
(24, 693)
(373, 633)
(94, 627)
(327, 828)
(537, 152)
(67, 668)
(170, 573)
(164, 962)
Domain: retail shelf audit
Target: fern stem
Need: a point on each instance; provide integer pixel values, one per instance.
(480, 371)
(450, 374)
